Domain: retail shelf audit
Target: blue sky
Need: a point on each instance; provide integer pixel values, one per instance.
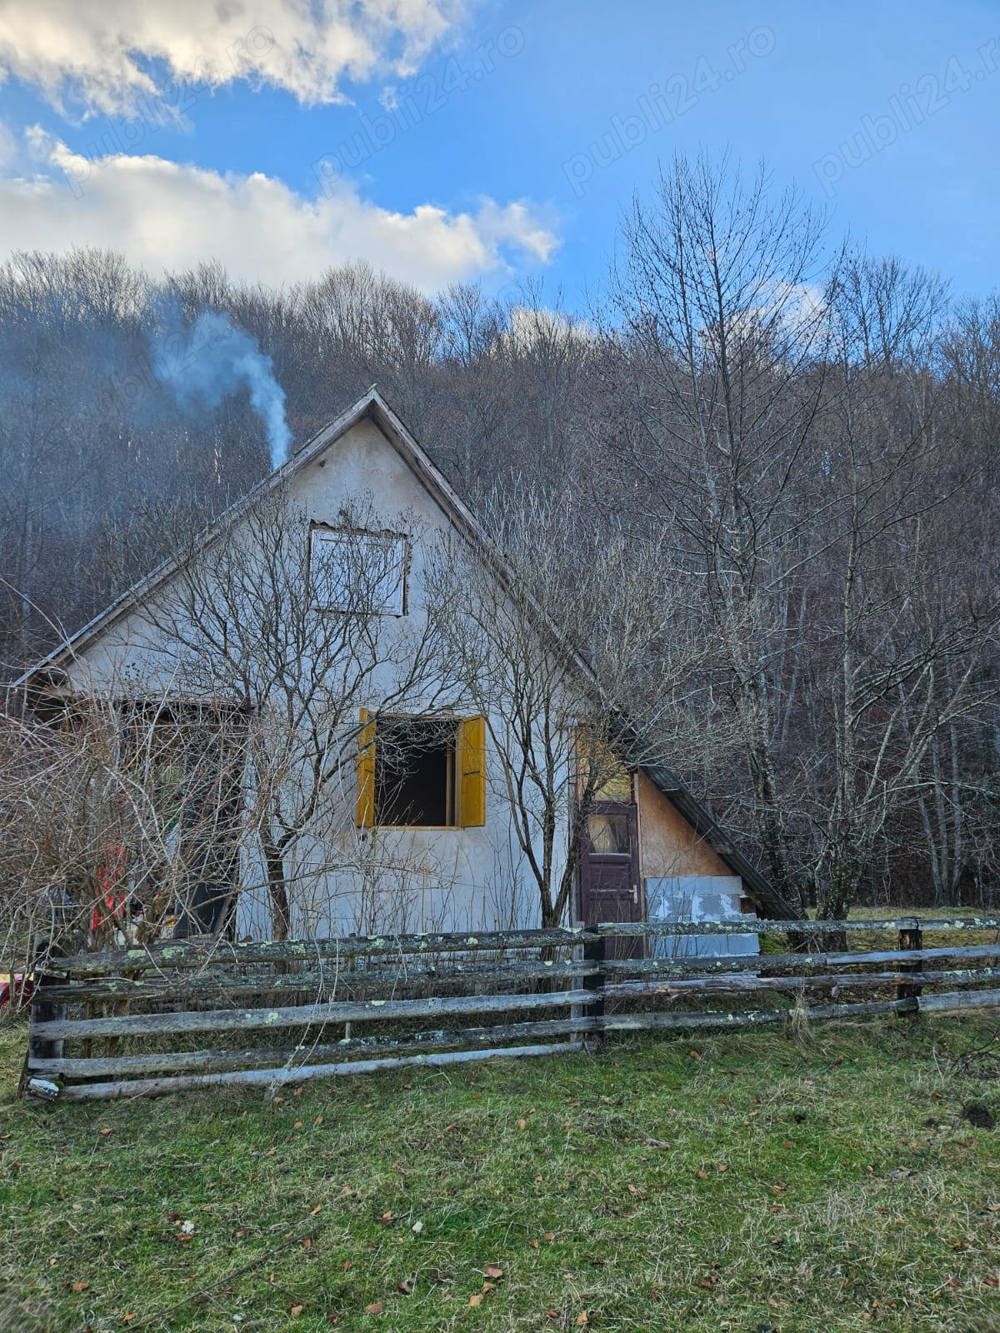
(492, 141)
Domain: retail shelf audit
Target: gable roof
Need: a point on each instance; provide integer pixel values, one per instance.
(372, 406)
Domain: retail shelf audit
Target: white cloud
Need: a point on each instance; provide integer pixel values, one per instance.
(110, 55)
(8, 147)
(164, 215)
(533, 326)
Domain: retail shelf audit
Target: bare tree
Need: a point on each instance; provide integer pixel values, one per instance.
(295, 646)
(567, 644)
(718, 347)
(785, 426)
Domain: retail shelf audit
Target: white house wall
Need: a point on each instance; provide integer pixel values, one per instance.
(472, 878)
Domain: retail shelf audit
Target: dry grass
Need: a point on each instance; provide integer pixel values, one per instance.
(751, 1182)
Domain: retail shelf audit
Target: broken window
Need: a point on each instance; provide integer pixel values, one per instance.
(421, 772)
(609, 834)
(358, 571)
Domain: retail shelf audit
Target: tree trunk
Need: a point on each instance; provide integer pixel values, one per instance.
(281, 917)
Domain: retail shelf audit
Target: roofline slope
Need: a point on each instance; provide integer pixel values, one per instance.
(371, 405)
(699, 817)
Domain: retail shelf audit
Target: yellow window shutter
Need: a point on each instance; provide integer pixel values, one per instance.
(472, 771)
(365, 812)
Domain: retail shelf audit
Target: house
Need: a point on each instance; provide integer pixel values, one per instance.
(402, 834)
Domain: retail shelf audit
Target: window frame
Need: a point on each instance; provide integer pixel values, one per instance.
(469, 745)
(385, 536)
(452, 798)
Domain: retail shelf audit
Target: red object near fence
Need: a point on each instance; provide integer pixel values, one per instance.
(111, 899)
(16, 991)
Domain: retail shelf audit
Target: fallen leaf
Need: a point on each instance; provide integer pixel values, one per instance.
(318, 1120)
(552, 1314)
(376, 1307)
(105, 1132)
(635, 1192)
(387, 1218)
(582, 1318)
(316, 1210)
(550, 1236)
(417, 1228)
(533, 1244)
(346, 1190)
(522, 1123)
(307, 1243)
(406, 1286)
(79, 1286)
(347, 1265)
(475, 1300)
(702, 1175)
(296, 1310)
(297, 1125)
(493, 1270)
(127, 1318)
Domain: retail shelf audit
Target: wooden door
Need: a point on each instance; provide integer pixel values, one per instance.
(610, 889)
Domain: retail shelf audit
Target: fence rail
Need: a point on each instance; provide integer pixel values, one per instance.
(134, 1021)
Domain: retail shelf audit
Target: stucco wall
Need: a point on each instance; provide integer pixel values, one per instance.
(388, 879)
(668, 845)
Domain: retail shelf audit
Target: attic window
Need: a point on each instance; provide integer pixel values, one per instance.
(363, 572)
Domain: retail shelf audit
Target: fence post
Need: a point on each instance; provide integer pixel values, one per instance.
(44, 947)
(595, 951)
(910, 937)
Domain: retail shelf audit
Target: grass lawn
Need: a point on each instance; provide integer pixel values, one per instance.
(749, 1182)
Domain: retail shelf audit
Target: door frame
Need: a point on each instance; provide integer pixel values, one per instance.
(631, 810)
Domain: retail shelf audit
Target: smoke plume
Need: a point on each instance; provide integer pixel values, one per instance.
(213, 359)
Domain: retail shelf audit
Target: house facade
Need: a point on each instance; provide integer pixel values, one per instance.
(411, 821)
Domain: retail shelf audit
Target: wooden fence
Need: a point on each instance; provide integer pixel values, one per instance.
(201, 1013)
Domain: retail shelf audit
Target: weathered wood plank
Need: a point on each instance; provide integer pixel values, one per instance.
(749, 925)
(324, 982)
(152, 1062)
(232, 984)
(246, 1020)
(947, 1001)
(798, 962)
(77, 1092)
(187, 954)
(680, 987)
(638, 1022)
